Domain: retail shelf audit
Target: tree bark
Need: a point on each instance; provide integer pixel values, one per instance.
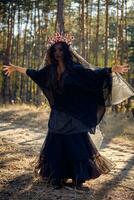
(97, 33)
(106, 35)
(6, 89)
(83, 27)
(121, 33)
(60, 16)
(117, 33)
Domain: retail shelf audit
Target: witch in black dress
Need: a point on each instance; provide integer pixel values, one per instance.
(78, 97)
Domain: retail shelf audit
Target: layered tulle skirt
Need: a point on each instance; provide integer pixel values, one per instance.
(71, 156)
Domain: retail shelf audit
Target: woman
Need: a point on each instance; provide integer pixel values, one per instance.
(77, 97)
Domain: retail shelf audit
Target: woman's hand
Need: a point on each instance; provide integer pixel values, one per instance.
(120, 69)
(9, 69)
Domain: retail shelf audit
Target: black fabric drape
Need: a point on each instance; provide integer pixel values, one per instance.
(85, 93)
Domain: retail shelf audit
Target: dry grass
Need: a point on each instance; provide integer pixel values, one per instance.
(22, 131)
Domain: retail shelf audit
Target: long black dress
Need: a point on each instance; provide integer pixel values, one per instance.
(77, 106)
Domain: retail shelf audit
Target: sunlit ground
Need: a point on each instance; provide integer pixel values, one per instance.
(22, 132)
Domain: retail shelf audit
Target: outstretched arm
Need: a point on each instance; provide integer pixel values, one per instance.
(9, 69)
(117, 68)
(120, 69)
(38, 76)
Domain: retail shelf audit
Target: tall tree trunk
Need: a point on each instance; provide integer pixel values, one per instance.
(87, 30)
(126, 33)
(90, 30)
(22, 81)
(34, 56)
(97, 33)
(106, 35)
(17, 76)
(121, 33)
(60, 16)
(6, 80)
(80, 34)
(12, 57)
(38, 92)
(83, 27)
(126, 40)
(117, 33)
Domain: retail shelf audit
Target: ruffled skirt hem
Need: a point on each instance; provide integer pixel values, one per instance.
(71, 157)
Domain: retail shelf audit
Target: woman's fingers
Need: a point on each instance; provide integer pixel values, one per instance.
(6, 73)
(6, 70)
(121, 68)
(125, 65)
(124, 70)
(6, 65)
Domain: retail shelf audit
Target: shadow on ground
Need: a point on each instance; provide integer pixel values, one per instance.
(17, 178)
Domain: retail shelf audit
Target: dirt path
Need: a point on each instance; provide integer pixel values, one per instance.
(22, 131)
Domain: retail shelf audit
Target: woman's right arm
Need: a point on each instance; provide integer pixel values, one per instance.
(9, 69)
(38, 76)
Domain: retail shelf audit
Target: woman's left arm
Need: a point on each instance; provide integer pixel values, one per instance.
(120, 69)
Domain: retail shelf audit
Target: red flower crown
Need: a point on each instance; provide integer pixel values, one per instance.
(68, 38)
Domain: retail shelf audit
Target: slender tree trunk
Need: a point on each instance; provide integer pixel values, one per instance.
(117, 34)
(126, 40)
(83, 27)
(60, 16)
(121, 33)
(17, 76)
(87, 30)
(97, 33)
(6, 80)
(22, 82)
(38, 92)
(90, 30)
(34, 57)
(80, 34)
(106, 36)
(126, 33)
(12, 57)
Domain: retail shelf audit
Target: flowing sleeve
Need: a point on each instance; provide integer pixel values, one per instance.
(99, 78)
(102, 92)
(104, 84)
(103, 96)
(38, 76)
(41, 78)
(98, 86)
(97, 82)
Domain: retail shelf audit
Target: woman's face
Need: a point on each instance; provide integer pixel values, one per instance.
(58, 52)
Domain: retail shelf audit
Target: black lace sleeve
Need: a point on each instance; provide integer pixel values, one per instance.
(94, 81)
(99, 78)
(102, 91)
(38, 76)
(98, 87)
(104, 78)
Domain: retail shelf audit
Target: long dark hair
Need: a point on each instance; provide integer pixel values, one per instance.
(52, 62)
(69, 60)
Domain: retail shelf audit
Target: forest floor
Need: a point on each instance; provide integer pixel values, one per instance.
(22, 131)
